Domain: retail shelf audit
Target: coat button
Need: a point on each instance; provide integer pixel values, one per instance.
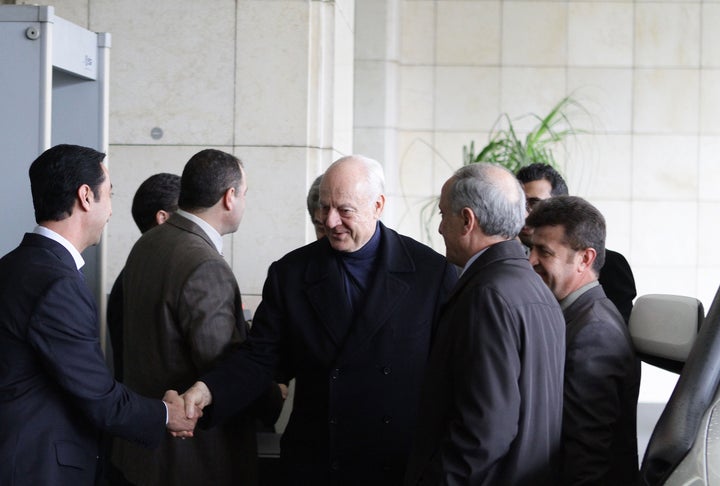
(335, 465)
(386, 370)
(335, 373)
(387, 419)
(332, 421)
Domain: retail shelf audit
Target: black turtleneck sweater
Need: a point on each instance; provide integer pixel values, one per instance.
(358, 268)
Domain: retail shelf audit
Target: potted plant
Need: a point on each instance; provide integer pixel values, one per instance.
(505, 147)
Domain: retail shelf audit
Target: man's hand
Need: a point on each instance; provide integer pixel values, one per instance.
(196, 398)
(179, 424)
(283, 390)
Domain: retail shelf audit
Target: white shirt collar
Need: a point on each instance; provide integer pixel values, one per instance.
(211, 232)
(48, 233)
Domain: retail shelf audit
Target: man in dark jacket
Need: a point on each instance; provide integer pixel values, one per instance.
(154, 201)
(602, 373)
(491, 406)
(350, 317)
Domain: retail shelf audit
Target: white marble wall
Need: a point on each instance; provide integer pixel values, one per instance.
(648, 72)
(268, 80)
(289, 85)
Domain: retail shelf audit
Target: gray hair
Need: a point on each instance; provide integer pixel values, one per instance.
(493, 194)
(313, 197)
(376, 176)
(375, 173)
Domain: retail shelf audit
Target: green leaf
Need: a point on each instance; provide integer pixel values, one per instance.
(505, 148)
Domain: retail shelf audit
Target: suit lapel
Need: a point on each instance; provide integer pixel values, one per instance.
(325, 292)
(387, 288)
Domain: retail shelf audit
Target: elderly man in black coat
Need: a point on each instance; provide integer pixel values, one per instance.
(350, 317)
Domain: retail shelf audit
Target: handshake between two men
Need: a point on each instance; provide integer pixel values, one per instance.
(185, 410)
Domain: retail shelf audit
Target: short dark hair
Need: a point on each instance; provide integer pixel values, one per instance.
(206, 177)
(56, 175)
(539, 171)
(584, 224)
(157, 192)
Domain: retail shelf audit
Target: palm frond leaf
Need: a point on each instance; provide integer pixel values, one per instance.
(506, 148)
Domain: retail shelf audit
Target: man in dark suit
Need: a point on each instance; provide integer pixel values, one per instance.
(154, 202)
(602, 373)
(182, 311)
(542, 181)
(350, 317)
(56, 393)
(491, 405)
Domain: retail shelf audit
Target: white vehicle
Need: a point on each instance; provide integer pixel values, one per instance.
(672, 332)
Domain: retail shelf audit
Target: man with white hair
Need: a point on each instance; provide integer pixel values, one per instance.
(491, 406)
(350, 317)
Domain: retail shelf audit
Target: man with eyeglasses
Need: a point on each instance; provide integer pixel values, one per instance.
(542, 181)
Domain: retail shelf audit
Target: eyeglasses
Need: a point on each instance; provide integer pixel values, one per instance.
(531, 202)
